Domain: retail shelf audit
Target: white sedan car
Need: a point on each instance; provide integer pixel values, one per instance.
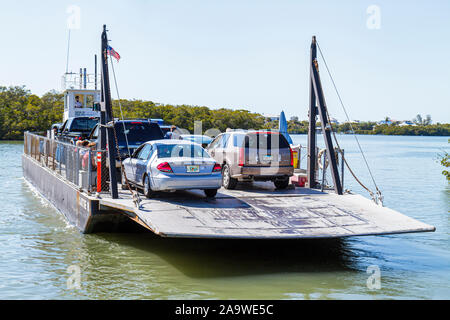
(168, 165)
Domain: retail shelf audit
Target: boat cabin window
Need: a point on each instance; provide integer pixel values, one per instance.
(66, 102)
(89, 101)
(84, 101)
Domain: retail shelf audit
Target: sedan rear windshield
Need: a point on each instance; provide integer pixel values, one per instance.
(181, 150)
(83, 124)
(198, 139)
(265, 141)
(138, 132)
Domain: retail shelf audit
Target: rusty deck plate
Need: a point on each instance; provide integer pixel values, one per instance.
(263, 213)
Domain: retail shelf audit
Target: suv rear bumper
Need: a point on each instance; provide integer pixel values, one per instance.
(267, 173)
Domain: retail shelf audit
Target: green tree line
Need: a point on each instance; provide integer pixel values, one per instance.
(183, 116)
(21, 111)
(301, 127)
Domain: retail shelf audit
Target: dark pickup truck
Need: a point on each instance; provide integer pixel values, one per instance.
(77, 128)
(137, 133)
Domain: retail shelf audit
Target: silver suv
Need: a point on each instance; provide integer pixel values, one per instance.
(253, 155)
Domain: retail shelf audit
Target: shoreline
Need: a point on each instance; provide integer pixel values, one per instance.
(305, 134)
(20, 110)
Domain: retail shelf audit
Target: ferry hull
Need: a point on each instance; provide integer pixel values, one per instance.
(80, 210)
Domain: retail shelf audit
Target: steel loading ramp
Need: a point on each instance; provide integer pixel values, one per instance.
(263, 213)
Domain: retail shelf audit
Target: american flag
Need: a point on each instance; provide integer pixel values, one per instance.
(113, 53)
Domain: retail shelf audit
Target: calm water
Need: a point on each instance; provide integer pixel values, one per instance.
(37, 245)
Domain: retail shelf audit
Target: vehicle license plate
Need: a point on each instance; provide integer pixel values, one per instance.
(192, 169)
(268, 158)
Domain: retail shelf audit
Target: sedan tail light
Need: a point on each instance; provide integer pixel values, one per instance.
(164, 167)
(217, 168)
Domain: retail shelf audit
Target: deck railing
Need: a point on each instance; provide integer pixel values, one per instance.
(75, 164)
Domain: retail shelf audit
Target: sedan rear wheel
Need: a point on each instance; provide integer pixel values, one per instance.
(227, 181)
(210, 193)
(147, 189)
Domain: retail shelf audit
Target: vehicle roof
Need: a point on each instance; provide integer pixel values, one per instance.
(194, 135)
(262, 131)
(136, 120)
(171, 142)
(84, 117)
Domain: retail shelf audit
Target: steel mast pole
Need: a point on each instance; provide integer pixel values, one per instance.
(311, 167)
(326, 127)
(107, 109)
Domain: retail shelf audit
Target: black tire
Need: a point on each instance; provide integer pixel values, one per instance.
(124, 184)
(147, 188)
(210, 193)
(281, 184)
(227, 181)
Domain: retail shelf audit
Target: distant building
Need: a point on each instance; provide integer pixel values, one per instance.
(352, 121)
(388, 122)
(273, 118)
(406, 123)
(334, 121)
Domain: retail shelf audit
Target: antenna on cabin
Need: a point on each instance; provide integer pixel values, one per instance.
(68, 50)
(95, 74)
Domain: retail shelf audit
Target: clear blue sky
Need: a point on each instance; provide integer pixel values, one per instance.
(243, 54)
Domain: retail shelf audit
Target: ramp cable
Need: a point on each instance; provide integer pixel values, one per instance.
(135, 195)
(378, 198)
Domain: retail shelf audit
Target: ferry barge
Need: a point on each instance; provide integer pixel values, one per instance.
(91, 201)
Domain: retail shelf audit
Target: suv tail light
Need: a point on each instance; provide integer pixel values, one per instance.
(164, 167)
(292, 156)
(241, 157)
(217, 168)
